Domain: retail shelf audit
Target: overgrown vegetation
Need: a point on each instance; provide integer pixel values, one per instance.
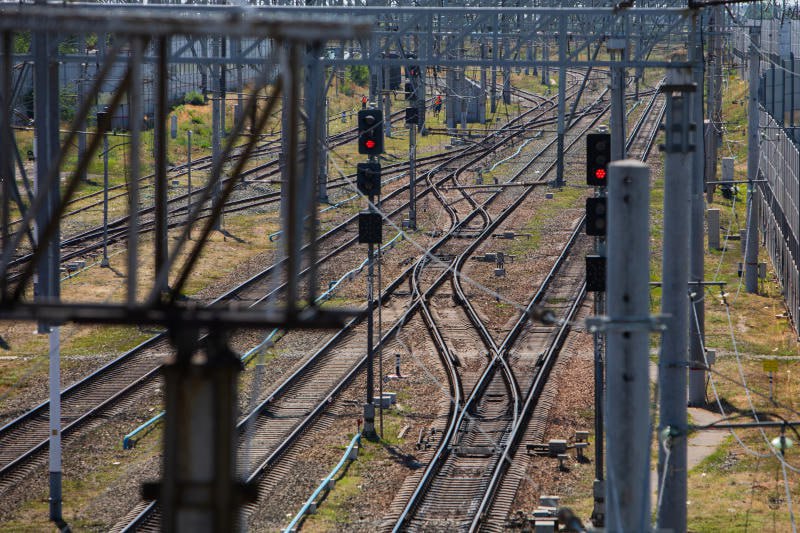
(194, 98)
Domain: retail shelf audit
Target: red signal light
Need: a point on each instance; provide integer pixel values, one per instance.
(600, 173)
(370, 144)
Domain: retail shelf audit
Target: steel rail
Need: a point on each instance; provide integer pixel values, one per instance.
(549, 358)
(436, 462)
(146, 514)
(110, 366)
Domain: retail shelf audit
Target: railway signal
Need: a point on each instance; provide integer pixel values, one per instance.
(596, 216)
(598, 155)
(370, 228)
(370, 132)
(368, 178)
(412, 115)
(595, 273)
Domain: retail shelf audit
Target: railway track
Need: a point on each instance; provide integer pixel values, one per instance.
(463, 482)
(124, 376)
(302, 385)
(501, 492)
(88, 241)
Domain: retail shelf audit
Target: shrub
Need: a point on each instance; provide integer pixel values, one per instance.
(359, 74)
(194, 98)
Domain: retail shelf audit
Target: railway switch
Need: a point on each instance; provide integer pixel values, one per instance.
(598, 155)
(368, 178)
(370, 131)
(596, 216)
(370, 228)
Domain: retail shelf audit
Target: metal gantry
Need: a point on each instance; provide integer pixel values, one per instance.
(201, 404)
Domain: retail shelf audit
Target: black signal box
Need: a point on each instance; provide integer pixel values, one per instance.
(370, 131)
(595, 273)
(598, 155)
(370, 228)
(596, 216)
(412, 115)
(368, 178)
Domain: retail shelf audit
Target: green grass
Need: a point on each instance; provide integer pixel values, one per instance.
(333, 514)
(536, 226)
(104, 340)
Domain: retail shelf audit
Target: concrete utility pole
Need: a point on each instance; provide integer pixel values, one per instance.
(751, 245)
(545, 68)
(493, 104)
(104, 262)
(484, 88)
(160, 142)
(715, 92)
(387, 101)
(412, 176)
(200, 490)
(627, 332)
(562, 82)
(616, 46)
(78, 101)
(189, 179)
(322, 179)
(216, 124)
(48, 286)
(289, 110)
(697, 376)
(675, 303)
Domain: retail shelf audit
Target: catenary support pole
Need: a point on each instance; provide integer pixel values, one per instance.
(160, 186)
(751, 245)
(216, 124)
(545, 57)
(7, 176)
(672, 381)
(412, 176)
(104, 262)
(55, 426)
(48, 287)
(627, 333)
(697, 374)
(78, 101)
(200, 490)
(189, 178)
(322, 177)
(135, 98)
(387, 104)
(562, 82)
(617, 48)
